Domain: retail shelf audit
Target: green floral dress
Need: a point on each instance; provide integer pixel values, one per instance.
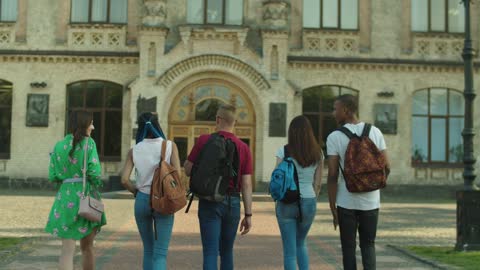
(63, 220)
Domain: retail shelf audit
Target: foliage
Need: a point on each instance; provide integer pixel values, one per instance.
(446, 255)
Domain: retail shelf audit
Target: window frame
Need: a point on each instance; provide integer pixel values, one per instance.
(430, 117)
(339, 19)
(5, 21)
(102, 109)
(325, 114)
(224, 14)
(107, 21)
(429, 21)
(3, 83)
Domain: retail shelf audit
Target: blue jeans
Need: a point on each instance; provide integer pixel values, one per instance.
(365, 222)
(154, 251)
(218, 228)
(294, 232)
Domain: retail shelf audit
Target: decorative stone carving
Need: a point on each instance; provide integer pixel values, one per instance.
(275, 14)
(155, 12)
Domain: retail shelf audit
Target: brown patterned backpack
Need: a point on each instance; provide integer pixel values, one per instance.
(167, 193)
(364, 162)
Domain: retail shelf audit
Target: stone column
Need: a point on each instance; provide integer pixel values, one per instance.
(365, 27)
(21, 25)
(275, 52)
(406, 34)
(63, 19)
(133, 22)
(151, 43)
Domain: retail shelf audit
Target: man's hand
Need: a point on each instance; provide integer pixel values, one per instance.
(246, 225)
(335, 218)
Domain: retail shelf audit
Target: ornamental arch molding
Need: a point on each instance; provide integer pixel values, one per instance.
(213, 62)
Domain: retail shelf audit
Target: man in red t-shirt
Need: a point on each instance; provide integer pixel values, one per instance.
(219, 220)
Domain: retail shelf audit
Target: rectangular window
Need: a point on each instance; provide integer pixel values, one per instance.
(8, 10)
(195, 11)
(228, 12)
(456, 16)
(420, 139)
(234, 12)
(214, 11)
(455, 151)
(438, 139)
(311, 13)
(419, 15)
(349, 15)
(438, 16)
(330, 14)
(118, 12)
(99, 11)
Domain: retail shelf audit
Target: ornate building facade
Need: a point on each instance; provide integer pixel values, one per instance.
(272, 59)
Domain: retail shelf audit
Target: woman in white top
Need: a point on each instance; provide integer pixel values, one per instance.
(145, 157)
(307, 156)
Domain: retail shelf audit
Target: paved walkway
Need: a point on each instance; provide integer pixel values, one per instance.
(119, 246)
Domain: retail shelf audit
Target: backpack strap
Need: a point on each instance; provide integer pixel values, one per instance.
(164, 150)
(286, 154)
(366, 130)
(347, 132)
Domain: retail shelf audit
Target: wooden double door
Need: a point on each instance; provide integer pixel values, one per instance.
(193, 114)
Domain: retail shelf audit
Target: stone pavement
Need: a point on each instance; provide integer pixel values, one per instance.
(118, 246)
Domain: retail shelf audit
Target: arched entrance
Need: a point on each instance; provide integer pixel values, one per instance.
(193, 111)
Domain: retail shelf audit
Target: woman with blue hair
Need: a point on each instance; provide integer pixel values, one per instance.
(145, 157)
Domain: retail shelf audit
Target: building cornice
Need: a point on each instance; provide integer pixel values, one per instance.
(43, 56)
(376, 64)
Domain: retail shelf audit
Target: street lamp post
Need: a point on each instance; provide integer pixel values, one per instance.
(468, 199)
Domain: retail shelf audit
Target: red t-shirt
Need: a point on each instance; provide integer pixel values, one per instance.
(244, 155)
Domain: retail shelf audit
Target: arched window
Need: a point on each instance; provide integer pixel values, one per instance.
(318, 107)
(207, 110)
(228, 12)
(437, 124)
(104, 100)
(5, 118)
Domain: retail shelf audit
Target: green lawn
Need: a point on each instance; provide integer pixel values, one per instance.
(9, 242)
(447, 255)
(8, 246)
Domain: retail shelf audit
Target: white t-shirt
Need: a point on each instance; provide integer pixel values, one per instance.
(337, 143)
(146, 156)
(305, 175)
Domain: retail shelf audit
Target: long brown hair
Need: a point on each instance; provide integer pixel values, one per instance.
(302, 145)
(79, 122)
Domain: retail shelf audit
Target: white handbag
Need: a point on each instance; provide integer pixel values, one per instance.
(90, 208)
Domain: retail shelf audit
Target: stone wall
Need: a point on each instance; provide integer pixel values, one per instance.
(157, 54)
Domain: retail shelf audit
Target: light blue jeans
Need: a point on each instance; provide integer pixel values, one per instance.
(294, 232)
(218, 228)
(154, 251)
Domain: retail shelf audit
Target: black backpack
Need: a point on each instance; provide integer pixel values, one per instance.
(217, 163)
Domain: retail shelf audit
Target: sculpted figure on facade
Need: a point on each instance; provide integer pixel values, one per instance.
(155, 12)
(275, 14)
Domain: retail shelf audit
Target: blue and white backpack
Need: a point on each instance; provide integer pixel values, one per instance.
(284, 184)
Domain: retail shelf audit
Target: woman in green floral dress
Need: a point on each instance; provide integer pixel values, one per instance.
(66, 163)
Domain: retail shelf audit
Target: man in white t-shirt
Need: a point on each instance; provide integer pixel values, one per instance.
(352, 211)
